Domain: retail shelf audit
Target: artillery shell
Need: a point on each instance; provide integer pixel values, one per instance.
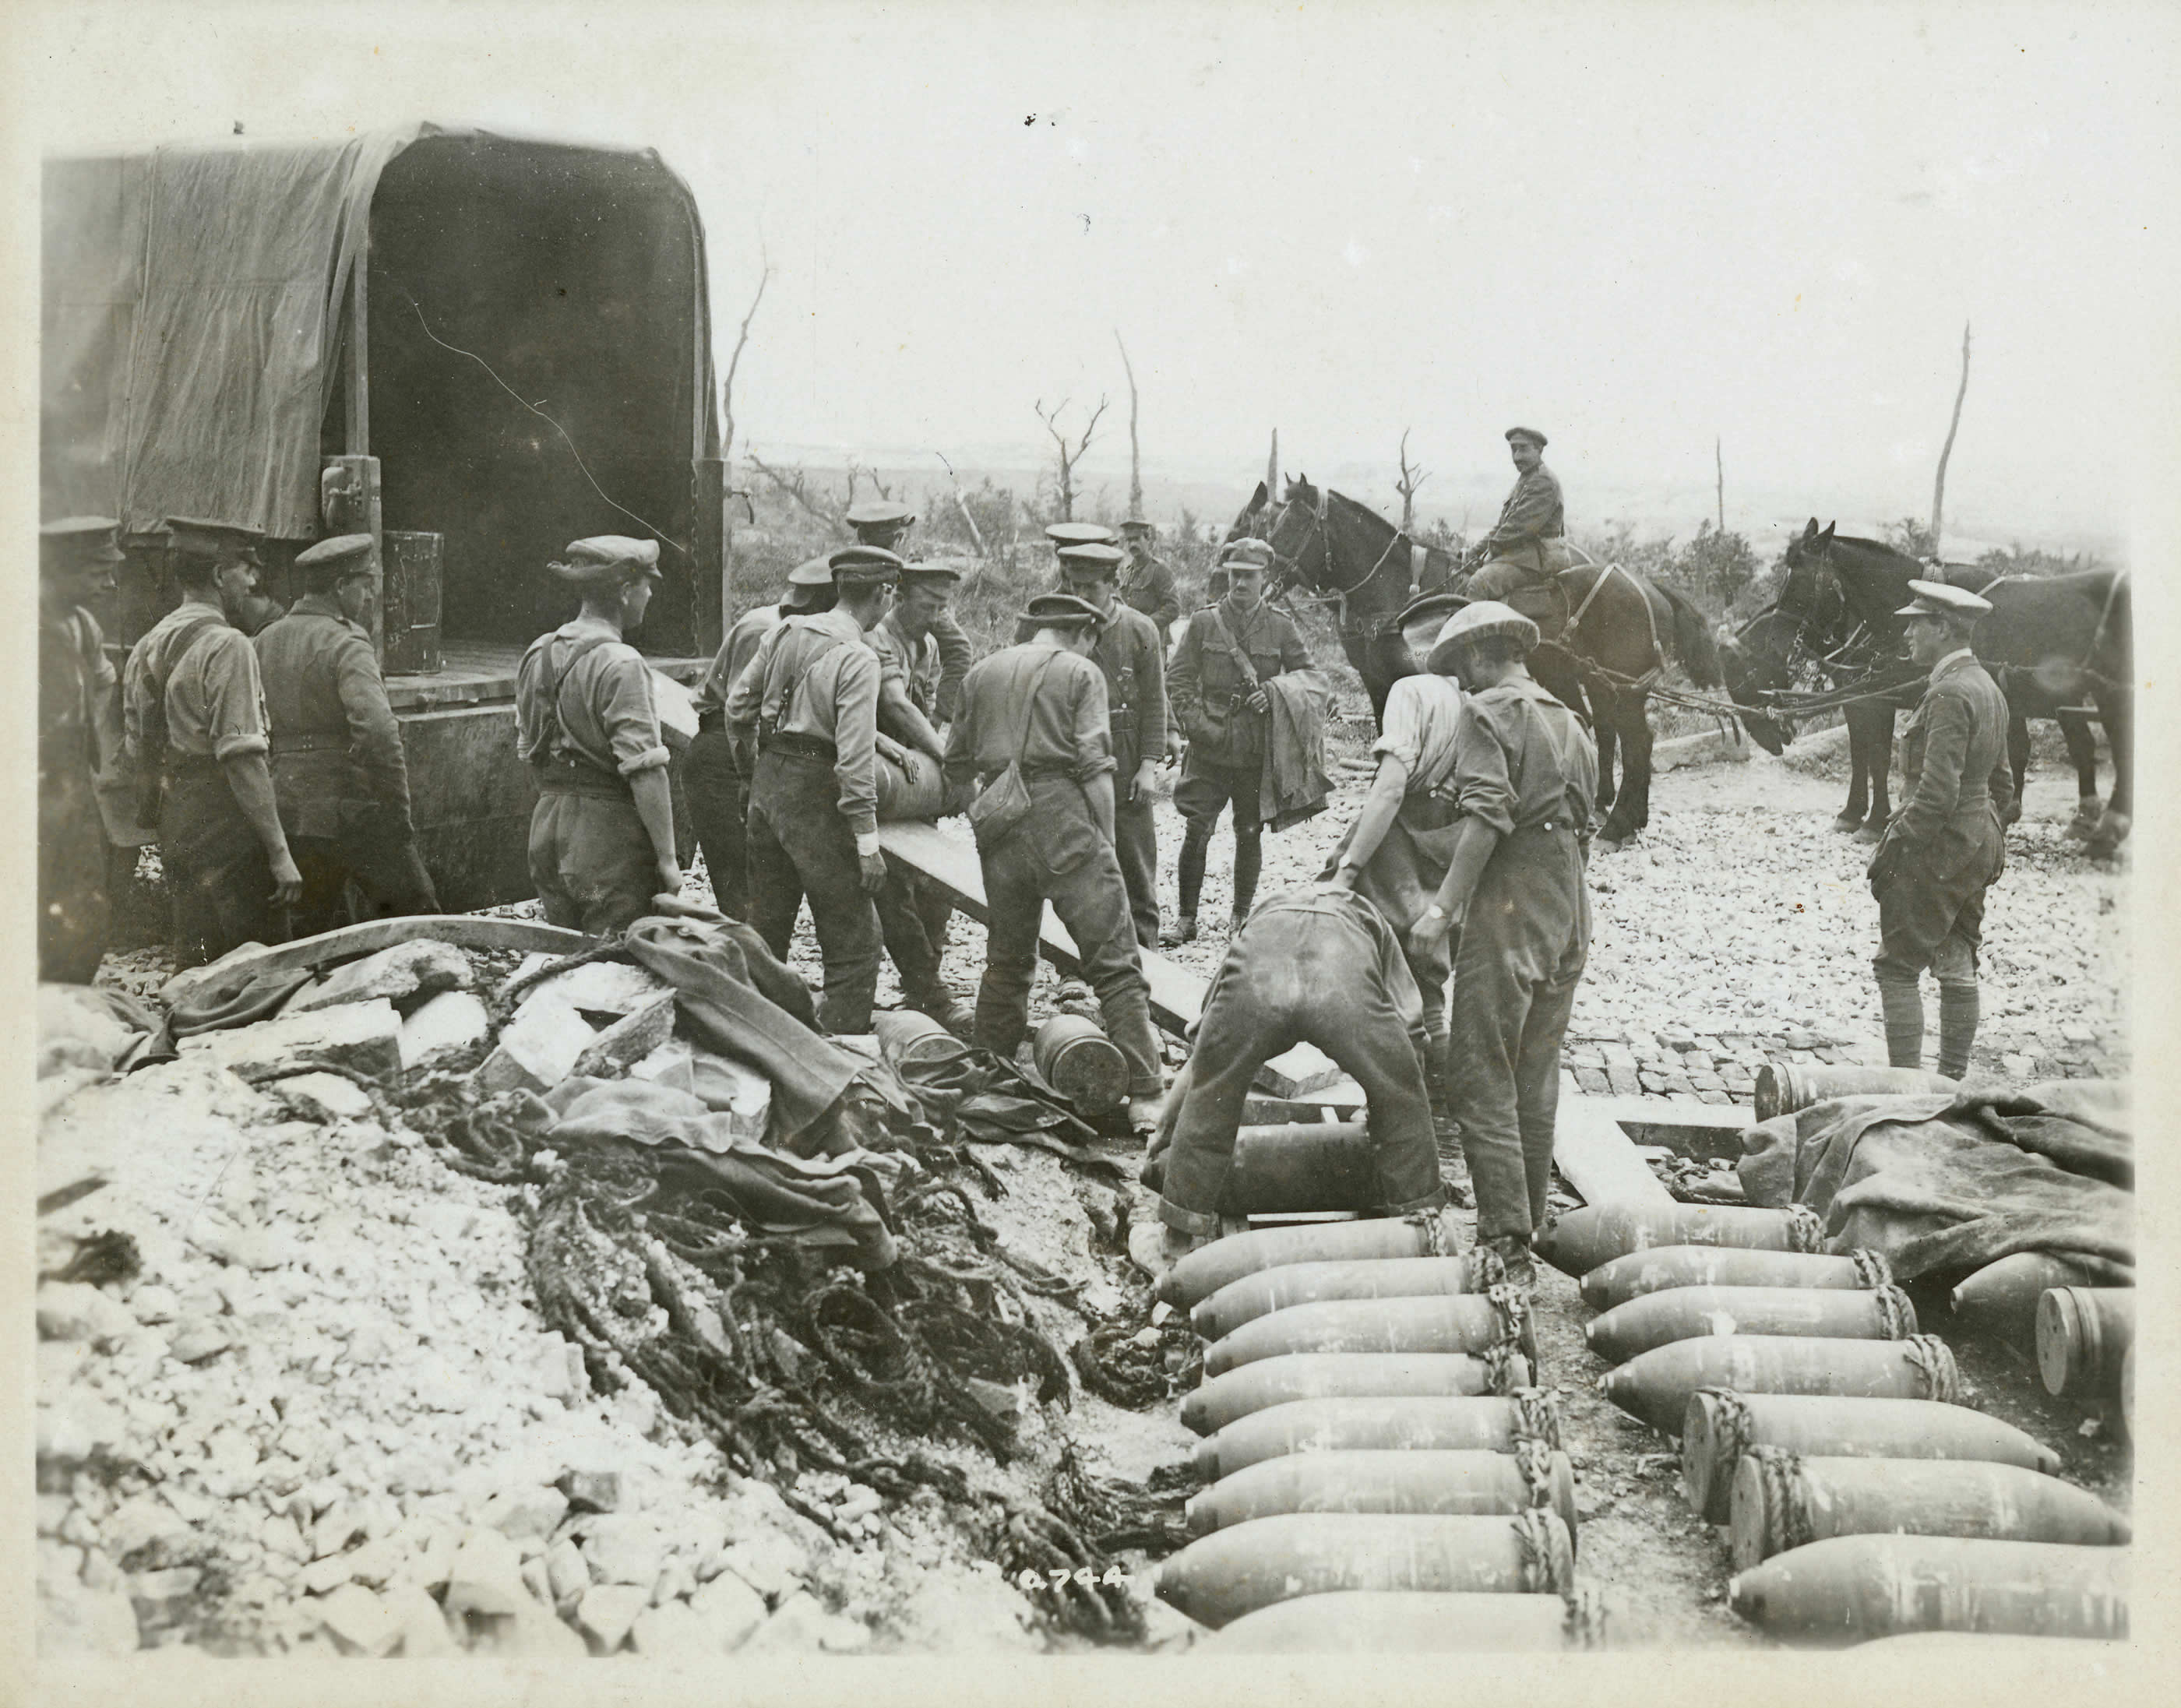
(1720, 1427)
(1204, 1271)
(1851, 1588)
(2083, 1335)
(1412, 1622)
(1783, 1087)
(1656, 1386)
(1624, 1278)
(1311, 1283)
(1451, 1484)
(1468, 1323)
(1331, 1375)
(1782, 1500)
(1219, 1578)
(1682, 1314)
(2000, 1299)
(1488, 1423)
(1583, 1239)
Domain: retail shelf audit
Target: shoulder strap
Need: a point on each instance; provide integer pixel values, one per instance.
(155, 715)
(1241, 658)
(557, 680)
(794, 683)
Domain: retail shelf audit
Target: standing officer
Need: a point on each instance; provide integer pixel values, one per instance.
(195, 710)
(885, 523)
(1148, 585)
(602, 833)
(809, 704)
(1132, 654)
(1040, 706)
(1523, 775)
(1215, 683)
(1528, 544)
(338, 771)
(1060, 536)
(912, 913)
(718, 794)
(1944, 847)
(78, 732)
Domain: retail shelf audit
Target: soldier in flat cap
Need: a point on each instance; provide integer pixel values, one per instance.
(1147, 582)
(1528, 544)
(718, 792)
(1515, 903)
(194, 705)
(602, 833)
(808, 707)
(1033, 717)
(1216, 684)
(1131, 653)
(1944, 847)
(339, 771)
(883, 523)
(78, 735)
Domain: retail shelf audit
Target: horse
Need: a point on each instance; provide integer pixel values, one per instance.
(2051, 640)
(1610, 636)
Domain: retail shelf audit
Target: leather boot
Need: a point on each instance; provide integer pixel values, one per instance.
(1902, 1001)
(1957, 1025)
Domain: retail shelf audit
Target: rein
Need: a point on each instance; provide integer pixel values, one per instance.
(1290, 568)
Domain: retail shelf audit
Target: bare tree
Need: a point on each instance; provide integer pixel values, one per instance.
(795, 483)
(1068, 457)
(1135, 454)
(1406, 486)
(962, 504)
(1938, 485)
(727, 440)
(1718, 471)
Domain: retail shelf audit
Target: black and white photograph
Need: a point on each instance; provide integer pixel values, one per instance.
(884, 848)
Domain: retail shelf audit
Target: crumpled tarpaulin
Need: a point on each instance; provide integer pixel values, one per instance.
(1296, 784)
(1943, 1184)
(240, 999)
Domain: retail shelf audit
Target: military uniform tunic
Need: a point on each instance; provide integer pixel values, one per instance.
(717, 792)
(913, 914)
(1151, 590)
(1132, 655)
(76, 724)
(1528, 542)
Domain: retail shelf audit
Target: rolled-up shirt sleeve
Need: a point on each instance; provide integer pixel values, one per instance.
(1402, 735)
(1483, 788)
(746, 695)
(235, 696)
(631, 717)
(1093, 732)
(855, 737)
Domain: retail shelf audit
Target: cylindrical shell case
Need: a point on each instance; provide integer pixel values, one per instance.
(1720, 1426)
(1204, 1271)
(1685, 1314)
(1851, 1588)
(2000, 1298)
(2083, 1335)
(1413, 1622)
(1654, 1271)
(1486, 1423)
(1313, 1283)
(1782, 1500)
(1656, 1386)
(1451, 1484)
(1465, 1322)
(1219, 1578)
(1783, 1087)
(1583, 1239)
(1328, 1376)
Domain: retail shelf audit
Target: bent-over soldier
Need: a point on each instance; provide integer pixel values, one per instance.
(1132, 656)
(808, 703)
(718, 793)
(602, 833)
(1148, 584)
(885, 523)
(1216, 685)
(195, 709)
(1525, 773)
(1040, 709)
(339, 771)
(1528, 544)
(1944, 847)
(79, 734)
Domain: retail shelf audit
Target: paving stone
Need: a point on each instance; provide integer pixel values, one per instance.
(1624, 1081)
(1593, 1081)
(423, 964)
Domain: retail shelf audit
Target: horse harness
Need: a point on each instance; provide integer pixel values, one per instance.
(1291, 567)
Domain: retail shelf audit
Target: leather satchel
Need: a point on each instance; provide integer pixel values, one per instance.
(1003, 804)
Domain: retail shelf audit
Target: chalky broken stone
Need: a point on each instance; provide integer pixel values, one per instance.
(452, 1020)
(365, 1037)
(423, 965)
(608, 1611)
(537, 1049)
(629, 1039)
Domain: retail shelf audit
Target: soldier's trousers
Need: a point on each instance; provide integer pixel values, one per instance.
(718, 811)
(1058, 855)
(591, 859)
(912, 917)
(387, 871)
(219, 881)
(1294, 978)
(800, 845)
(1522, 950)
(1204, 790)
(1135, 846)
(73, 911)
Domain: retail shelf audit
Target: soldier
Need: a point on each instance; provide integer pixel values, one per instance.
(808, 704)
(885, 523)
(1132, 654)
(718, 794)
(1148, 585)
(1944, 846)
(1216, 684)
(195, 710)
(1039, 708)
(1060, 536)
(78, 733)
(338, 771)
(602, 833)
(912, 913)
(1513, 897)
(1528, 544)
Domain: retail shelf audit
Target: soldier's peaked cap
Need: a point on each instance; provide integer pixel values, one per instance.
(1937, 599)
(945, 569)
(864, 564)
(880, 513)
(1079, 533)
(342, 556)
(604, 559)
(1246, 555)
(1476, 621)
(1093, 556)
(80, 540)
(194, 537)
(811, 572)
(1531, 434)
(1136, 524)
(1061, 611)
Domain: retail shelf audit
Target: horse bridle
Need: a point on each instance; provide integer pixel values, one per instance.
(1290, 568)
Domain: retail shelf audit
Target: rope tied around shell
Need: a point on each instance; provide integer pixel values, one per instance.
(1543, 1566)
(1533, 1461)
(1871, 1268)
(1786, 1519)
(1536, 1416)
(1896, 1316)
(1437, 1238)
(1806, 1229)
(1506, 1368)
(1485, 1269)
(1586, 1621)
(1934, 1361)
(1730, 1425)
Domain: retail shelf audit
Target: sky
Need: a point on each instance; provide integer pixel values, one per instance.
(1640, 227)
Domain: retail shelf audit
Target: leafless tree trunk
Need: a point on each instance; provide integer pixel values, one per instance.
(728, 443)
(1066, 455)
(795, 484)
(1938, 485)
(1406, 486)
(1719, 469)
(1135, 452)
(962, 504)
(1272, 471)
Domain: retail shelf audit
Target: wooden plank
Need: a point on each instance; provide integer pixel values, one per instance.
(463, 930)
(1597, 1158)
